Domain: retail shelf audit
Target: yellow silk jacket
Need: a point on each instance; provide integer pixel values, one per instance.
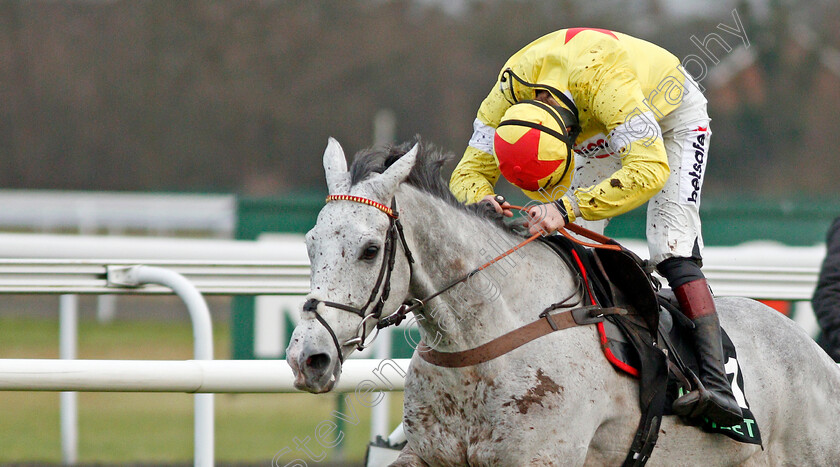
(622, 86)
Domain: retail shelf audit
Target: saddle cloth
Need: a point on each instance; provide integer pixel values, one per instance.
(665, 365)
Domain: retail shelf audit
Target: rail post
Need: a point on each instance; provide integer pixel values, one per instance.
(67, 349)
(136, 276)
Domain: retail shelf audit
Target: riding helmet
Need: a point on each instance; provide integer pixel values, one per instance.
(533, 148)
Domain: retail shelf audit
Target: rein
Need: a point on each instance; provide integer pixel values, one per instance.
(415, 303)
(383, 282)
(547, 322)
(604, 242)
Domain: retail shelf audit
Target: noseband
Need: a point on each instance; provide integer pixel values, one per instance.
(383, 281)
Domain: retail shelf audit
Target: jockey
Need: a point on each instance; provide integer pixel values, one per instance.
(591, 124)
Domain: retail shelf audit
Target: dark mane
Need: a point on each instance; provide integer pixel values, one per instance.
(425, 175)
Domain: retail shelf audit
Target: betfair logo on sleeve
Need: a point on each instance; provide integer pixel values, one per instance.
(697, 165)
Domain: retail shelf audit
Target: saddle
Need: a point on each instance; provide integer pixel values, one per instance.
(664, 361)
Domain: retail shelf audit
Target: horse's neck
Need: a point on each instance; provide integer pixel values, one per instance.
(447, 244)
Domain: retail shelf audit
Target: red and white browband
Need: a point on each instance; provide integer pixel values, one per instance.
(369, 202)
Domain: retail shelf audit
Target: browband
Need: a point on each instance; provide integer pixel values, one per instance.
(369, 202)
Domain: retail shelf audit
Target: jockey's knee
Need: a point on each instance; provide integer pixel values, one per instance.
(680, 270)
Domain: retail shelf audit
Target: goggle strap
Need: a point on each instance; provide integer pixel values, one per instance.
(554, 91)
(562, 137)
(556, 114)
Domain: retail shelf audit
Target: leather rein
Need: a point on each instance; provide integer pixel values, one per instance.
(547, 322)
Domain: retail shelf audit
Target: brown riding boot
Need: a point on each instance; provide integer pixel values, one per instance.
(714, 398)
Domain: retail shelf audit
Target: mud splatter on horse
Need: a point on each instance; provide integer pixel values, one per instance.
(553, 401)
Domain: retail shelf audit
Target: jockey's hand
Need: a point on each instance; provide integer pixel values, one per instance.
(545, 219)
(503, 208)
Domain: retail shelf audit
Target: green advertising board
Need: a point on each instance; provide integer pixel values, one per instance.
(255, 216)
(728, 222)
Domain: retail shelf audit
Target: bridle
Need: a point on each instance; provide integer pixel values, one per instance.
(383, 280)
(546, 324)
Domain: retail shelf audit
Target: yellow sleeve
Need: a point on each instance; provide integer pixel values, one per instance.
(615, 96)
(474, 177)
(476, 174)
(570, 209)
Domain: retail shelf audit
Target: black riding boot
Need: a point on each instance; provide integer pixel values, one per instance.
(714, 398)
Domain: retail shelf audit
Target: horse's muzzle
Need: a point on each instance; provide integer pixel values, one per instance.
(315, 370)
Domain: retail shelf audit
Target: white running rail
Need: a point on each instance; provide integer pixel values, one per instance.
(267, 268)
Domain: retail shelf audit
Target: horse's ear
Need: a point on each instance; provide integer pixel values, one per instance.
(335, 167)
(386, 183)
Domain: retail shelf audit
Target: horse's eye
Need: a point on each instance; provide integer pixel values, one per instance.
(370, 252)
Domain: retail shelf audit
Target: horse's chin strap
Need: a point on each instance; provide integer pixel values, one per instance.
(383, 280)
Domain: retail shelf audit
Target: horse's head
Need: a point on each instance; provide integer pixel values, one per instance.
(354, 259)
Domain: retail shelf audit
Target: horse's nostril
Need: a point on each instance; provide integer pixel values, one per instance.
(318, 362)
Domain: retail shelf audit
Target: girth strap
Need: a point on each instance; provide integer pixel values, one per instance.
(517, 338)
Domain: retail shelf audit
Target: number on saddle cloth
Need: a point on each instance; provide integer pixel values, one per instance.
(631, 342)
(618, 278)
(678, 341)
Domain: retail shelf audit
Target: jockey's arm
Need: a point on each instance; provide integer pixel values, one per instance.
(476, 174)
(616, 99)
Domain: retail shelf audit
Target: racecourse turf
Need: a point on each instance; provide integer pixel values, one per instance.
(157, 428)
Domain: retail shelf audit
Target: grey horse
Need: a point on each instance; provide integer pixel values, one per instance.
(553, 401)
